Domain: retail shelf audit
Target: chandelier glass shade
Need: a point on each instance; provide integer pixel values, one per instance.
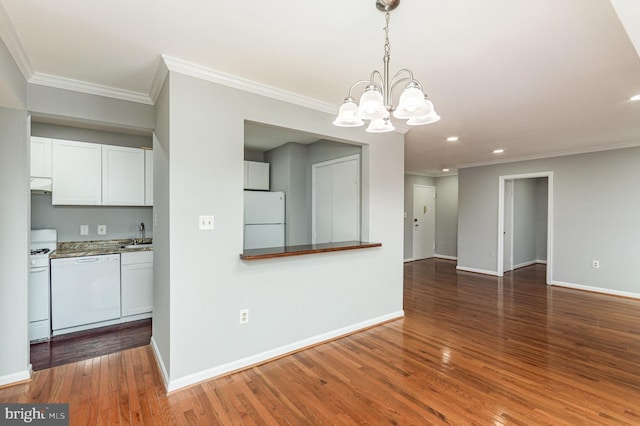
(376, 102)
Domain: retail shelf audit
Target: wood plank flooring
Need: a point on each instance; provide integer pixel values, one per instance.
(66, 348)
(472, 349)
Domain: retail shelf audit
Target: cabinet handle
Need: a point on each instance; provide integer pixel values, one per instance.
(89, 260)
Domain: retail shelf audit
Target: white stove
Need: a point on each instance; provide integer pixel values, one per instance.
(43, 243)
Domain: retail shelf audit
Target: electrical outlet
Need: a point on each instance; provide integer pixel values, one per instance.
(84, 229)
(244, 316)
(595, 264)
(102, 229)
(206, 223)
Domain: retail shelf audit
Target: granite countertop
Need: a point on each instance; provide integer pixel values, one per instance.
(96, 248)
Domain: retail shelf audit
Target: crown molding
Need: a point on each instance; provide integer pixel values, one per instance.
(198, 71)
(89, 88)
(553, 155)
(11, 40)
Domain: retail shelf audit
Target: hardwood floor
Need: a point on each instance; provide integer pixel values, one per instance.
(67, 348)
(472, 349)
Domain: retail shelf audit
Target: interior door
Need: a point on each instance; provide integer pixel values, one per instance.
(336, 200)
(424, 221)
(508, 226)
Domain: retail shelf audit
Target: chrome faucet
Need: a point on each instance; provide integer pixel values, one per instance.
(142, 229)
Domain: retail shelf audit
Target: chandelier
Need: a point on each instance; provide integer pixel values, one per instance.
(376, 103)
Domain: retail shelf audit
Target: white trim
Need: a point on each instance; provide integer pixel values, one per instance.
(552, 154)
(411, 259)
(596, 289)
(10, 38)
(444, 256)
(158, 80)
(544, 262)
(89, 88)
(160, 362)
(277, 352)
(20, 376)
(476, 271)
(522, 265)
(500, 251)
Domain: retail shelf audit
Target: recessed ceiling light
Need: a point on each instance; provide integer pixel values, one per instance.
(452, 139)
(498, 151)
(445, 170)
(635, 98)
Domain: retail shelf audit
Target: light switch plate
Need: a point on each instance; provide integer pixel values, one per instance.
(205, 223)
(84, 229)
(102, 229)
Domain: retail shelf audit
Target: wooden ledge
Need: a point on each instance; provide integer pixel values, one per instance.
(286, 251)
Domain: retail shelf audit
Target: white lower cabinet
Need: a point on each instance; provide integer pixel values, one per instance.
(136, 284)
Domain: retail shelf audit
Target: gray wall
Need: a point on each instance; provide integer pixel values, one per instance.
(14, 245)
(14, 222)
(447, 216)
(594, 217)
(288, 165)
(446, 234)
(122, 222)
(541, 218)
(56, 131)
(328, 294)
(524, 221)
(409, 181)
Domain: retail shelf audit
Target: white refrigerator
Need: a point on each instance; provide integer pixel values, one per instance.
(263, 219)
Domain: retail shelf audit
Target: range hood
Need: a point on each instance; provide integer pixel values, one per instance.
(41, 185)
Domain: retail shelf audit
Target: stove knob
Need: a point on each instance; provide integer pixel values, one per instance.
(33, 262)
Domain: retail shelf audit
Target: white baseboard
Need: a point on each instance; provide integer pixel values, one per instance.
(444, 256)
(274, 353)
(160, 362)
(411, 259)
(596, 289)
(544, 262)
(523, 264)
(20, 376)
(477, 271)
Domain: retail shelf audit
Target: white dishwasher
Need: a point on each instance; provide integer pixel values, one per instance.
(85, 291)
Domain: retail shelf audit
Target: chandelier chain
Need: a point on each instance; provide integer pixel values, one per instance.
(387, 45)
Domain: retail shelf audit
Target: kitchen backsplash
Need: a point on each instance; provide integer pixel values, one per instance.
(121, 222)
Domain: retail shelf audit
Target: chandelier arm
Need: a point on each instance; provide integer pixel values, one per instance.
(356, 84)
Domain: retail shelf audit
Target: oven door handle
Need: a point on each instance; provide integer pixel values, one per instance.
(39, 268)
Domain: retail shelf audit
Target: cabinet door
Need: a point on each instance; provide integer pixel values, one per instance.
(40, 157)
(256, 175)
(148, 178)
(137, 283)
(76, 173)
(122, 176)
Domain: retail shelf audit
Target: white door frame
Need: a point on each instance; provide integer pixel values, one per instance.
(500, 254)
(314, 167)
(413, 235)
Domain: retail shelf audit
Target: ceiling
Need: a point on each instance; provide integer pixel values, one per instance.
(535, 78)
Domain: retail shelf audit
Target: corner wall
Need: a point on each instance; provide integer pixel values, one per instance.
(594, 217)
(293, 302)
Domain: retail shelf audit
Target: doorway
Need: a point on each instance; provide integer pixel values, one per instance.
(505, 245)
(424, 221)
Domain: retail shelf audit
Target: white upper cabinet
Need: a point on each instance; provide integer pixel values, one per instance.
(40, 157)
(76, 173)
(256, 175)
(148, 177)
(123, 171)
